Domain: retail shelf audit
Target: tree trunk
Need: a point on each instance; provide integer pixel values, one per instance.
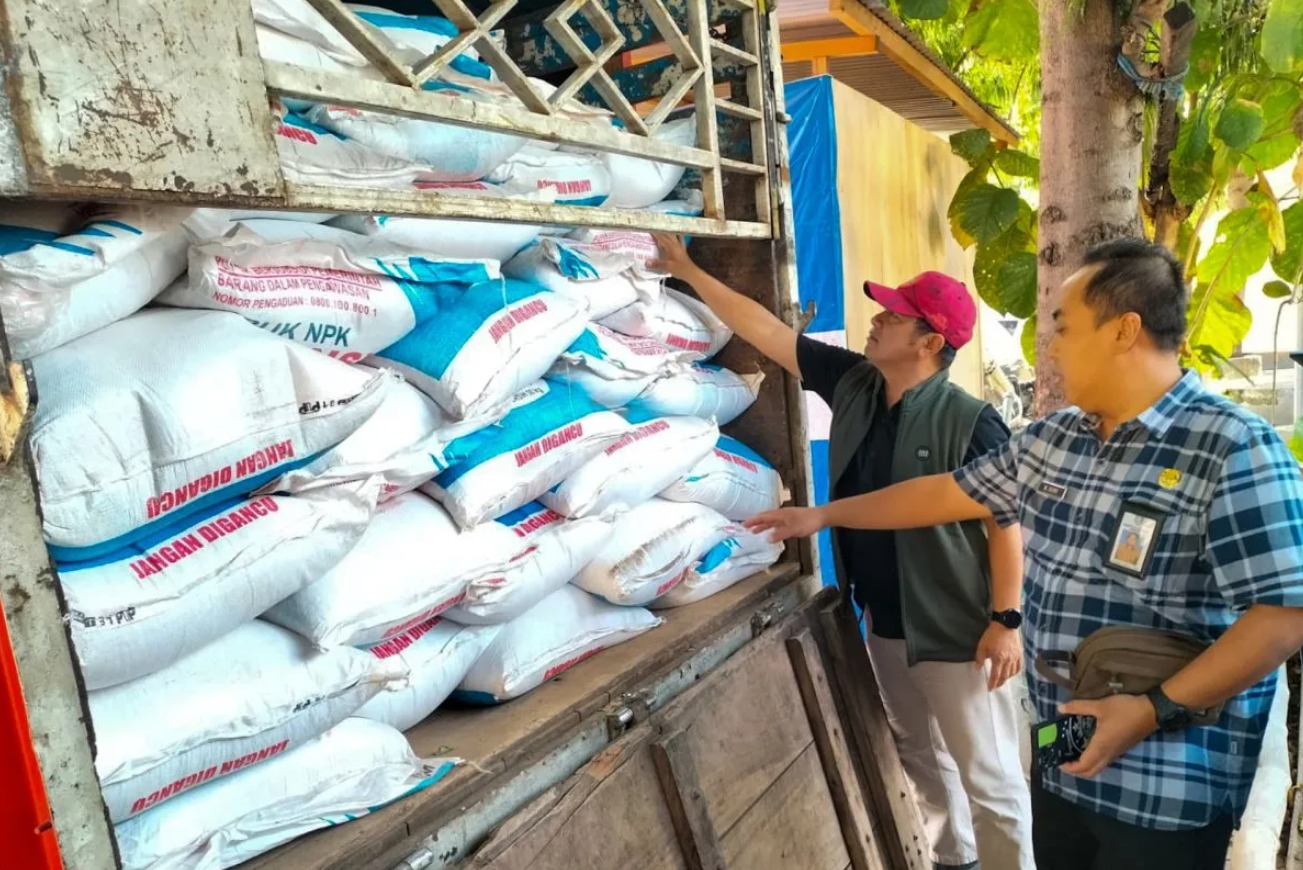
(1091, 130)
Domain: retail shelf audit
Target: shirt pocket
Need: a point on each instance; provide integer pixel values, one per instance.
(1170, 557)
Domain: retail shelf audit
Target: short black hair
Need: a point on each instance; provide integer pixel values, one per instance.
(947, 355)
(1139, 276)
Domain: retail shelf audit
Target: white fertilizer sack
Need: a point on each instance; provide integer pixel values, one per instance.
(65, 286)
(604, 281)
(555, 635)
(353, 769)
(701, 390)
(650, 457)
(550, 551)
(676, 319)
(734, 559)
(483, 347)
(549, 433)
(245, 698)
(651, 550)
(575, 179)
(613, 369)
(637, 182)
(140, 609)
(411, 564)
(733, 479)
(338, 292)
(169, 412)
(437, 655)
(311, 154)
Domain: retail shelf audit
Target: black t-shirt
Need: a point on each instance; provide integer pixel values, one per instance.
(869, 557)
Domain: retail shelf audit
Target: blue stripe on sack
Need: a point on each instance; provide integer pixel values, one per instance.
(477, 699)
(573, 264)
(151, 529)
(588, 344)
(94, 232)
(424, 23)
(520, 514)
(14, 238)
(71, 249)
(737, 448)
(717, 555)
(119, 225)
(588, 200)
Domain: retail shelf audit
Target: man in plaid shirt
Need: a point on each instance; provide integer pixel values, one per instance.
(1152, 503)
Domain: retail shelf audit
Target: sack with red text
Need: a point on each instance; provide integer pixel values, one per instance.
(650, 457)
(630, 243)
(351, 770)
(549, 433)
(447, 237)
(491, 342)
(575, 179)
(246, 697)
(311, 154)
(61, 287)
(676, 319)
(138, 610)
(412, 564)
(700, 390)
(437, 655)
(736, 558)
(733, 479)
(637, 182)
(335, 291)
(603, 281)
(170, 412)
(550, 638)
(400, 447)
(550, 551)
(651, 550)
(614, 369)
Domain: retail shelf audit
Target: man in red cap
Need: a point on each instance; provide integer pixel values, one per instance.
(945, 642)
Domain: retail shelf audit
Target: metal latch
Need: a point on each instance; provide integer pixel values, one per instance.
(419, 860)
(763, 618)
(628, 712)
(17, 402)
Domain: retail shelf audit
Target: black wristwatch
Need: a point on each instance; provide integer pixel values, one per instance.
(1171, 715)
(1010, 618)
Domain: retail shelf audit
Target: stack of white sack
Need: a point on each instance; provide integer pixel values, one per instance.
(169, 413)
(651, 550)
(548, 551)
(447, 237)
(655, 453)
(603, 280)
(437, 655)
(614, 369)
(411, 564)
(637, 182)
(700, 390)
(351, 770)
(737, 557)
(574, 179)
(140, 609)
(676, 319)
(487, 344)
(312, 155)
(92, 270)
(247, 697)
(402, 445)
(553, 636)
(733, 479)
(338, 292)
(549, 433)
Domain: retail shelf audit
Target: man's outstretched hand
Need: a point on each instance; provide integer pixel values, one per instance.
(673, 257)
(787, 523)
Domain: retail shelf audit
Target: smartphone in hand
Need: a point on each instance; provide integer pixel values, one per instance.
(1060, 740)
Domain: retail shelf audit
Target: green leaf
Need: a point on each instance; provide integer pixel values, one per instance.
(1296, 440)
(1277, 290)
(1009, 292)
(985, 211)
(1017, 281)
(1190, 184)
(1194, 141)
(1028, 340)
(1274, 151)
(1282, 35)
(1223, 325)
(1288, 263)
(1269, 211)
(1240, 124)
(1205, 55)
(1011, 161)
(1238, 252)
(927, 10)
(1007, 30)
(972, 145)
(967, 183)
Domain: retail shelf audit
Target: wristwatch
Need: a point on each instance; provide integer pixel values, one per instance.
(1010, 618)
(1171, 715)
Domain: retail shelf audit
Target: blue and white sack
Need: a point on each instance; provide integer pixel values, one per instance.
(735, 558)
(701, 390)
(733, 479)
(614, 369)
(603, 280)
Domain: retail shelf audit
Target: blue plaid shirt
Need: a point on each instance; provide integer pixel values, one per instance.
(1228, 500)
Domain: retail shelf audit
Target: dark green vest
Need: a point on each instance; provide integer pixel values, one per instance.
(944, 571)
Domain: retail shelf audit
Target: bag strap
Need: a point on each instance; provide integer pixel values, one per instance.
(1045, 666)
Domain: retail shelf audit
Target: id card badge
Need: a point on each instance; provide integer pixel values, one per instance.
(1134, 539)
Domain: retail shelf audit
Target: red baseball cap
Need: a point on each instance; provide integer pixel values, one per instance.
(939, 300)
